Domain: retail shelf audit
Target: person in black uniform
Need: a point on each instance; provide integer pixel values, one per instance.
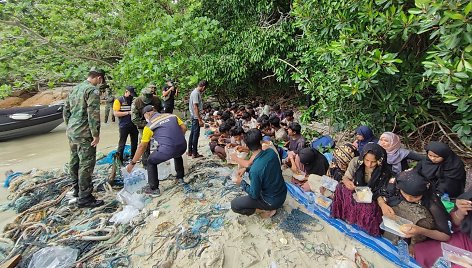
(169, 93)
(122, 110)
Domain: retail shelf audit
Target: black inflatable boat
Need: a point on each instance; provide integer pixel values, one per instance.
(24, 121)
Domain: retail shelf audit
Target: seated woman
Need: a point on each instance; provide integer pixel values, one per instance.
(410, 197)
(427, 252)
(444, 169)
(267, 190)
(308, 161)
(342, 155)
(364, 135)
(370, 169)
(396, 155)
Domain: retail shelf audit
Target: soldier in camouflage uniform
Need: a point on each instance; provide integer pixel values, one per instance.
(137, 117)
(82, 118)
(109, 104)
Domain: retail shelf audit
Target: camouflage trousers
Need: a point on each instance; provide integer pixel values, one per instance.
(108, 109)
(81, 165)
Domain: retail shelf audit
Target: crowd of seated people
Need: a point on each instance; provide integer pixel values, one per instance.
(402, 183)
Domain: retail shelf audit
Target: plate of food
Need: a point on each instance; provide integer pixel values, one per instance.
(457, 255)
(363, 194)
(395, 226)
(299, 176)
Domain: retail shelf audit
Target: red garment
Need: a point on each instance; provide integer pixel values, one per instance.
(368, 217)
(427, 252)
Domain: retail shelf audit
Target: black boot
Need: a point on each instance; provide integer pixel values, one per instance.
(89, 202)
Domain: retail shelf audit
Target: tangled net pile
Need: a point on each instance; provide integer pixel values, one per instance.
(47, 218)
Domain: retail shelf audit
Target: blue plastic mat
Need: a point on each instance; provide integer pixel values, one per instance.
(379, 244)
(109, 158)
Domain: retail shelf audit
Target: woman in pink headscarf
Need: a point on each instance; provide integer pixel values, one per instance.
(397, 156)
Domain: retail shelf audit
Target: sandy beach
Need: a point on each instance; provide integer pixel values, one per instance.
(236, 241)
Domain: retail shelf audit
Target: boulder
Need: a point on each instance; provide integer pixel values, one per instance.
(10, 102)
(47, 97)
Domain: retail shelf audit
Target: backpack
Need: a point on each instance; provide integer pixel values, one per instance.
(323, 143)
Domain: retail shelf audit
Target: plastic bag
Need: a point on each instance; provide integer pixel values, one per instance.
(132, 199)
(135, 180)
(125, 216)
(54, 257)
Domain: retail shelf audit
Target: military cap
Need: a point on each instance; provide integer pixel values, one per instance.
(146, 91)
(97, 71)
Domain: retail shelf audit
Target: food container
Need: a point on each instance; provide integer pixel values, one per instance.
(229, 152)
(363, 194)
(393, 225)
(329, 183)
(323, 201)
(457, 255)
(299, 177)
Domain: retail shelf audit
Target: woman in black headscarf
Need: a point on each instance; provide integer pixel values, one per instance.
(429, 251)
(411, 197)
(370, 169)
(444, 169)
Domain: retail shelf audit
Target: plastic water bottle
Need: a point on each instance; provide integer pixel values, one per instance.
(222, 206)
(445, 197)
(403, 254)
(441, 262)
(135, 180)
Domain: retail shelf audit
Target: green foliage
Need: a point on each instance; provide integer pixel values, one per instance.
(5, 91)
(393, 65)
(378, 62)
(176, 47)
(60, 40)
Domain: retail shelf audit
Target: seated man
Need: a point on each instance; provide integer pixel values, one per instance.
(267, 191)
(168, 131)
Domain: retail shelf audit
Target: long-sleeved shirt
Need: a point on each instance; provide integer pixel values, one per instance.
(82, 112)
(266, 178)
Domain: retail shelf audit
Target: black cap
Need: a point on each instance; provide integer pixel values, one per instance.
(148, 108)
(131, 90)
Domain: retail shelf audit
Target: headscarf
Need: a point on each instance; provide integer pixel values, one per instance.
(368, 135)
(313, 161)
(395, 154)
(344, 154)
(381, 173)
(466, 224)
(449, 175)
(412, 183)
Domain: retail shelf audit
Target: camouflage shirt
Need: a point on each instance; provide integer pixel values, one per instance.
(109, 95)
(82, 112)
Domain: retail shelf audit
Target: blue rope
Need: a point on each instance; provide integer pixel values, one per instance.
(10, 178)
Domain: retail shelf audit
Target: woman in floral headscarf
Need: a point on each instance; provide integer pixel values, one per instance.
(396, 155)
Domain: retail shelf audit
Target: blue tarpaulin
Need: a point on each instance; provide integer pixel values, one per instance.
(109, 158)
(381, 245)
